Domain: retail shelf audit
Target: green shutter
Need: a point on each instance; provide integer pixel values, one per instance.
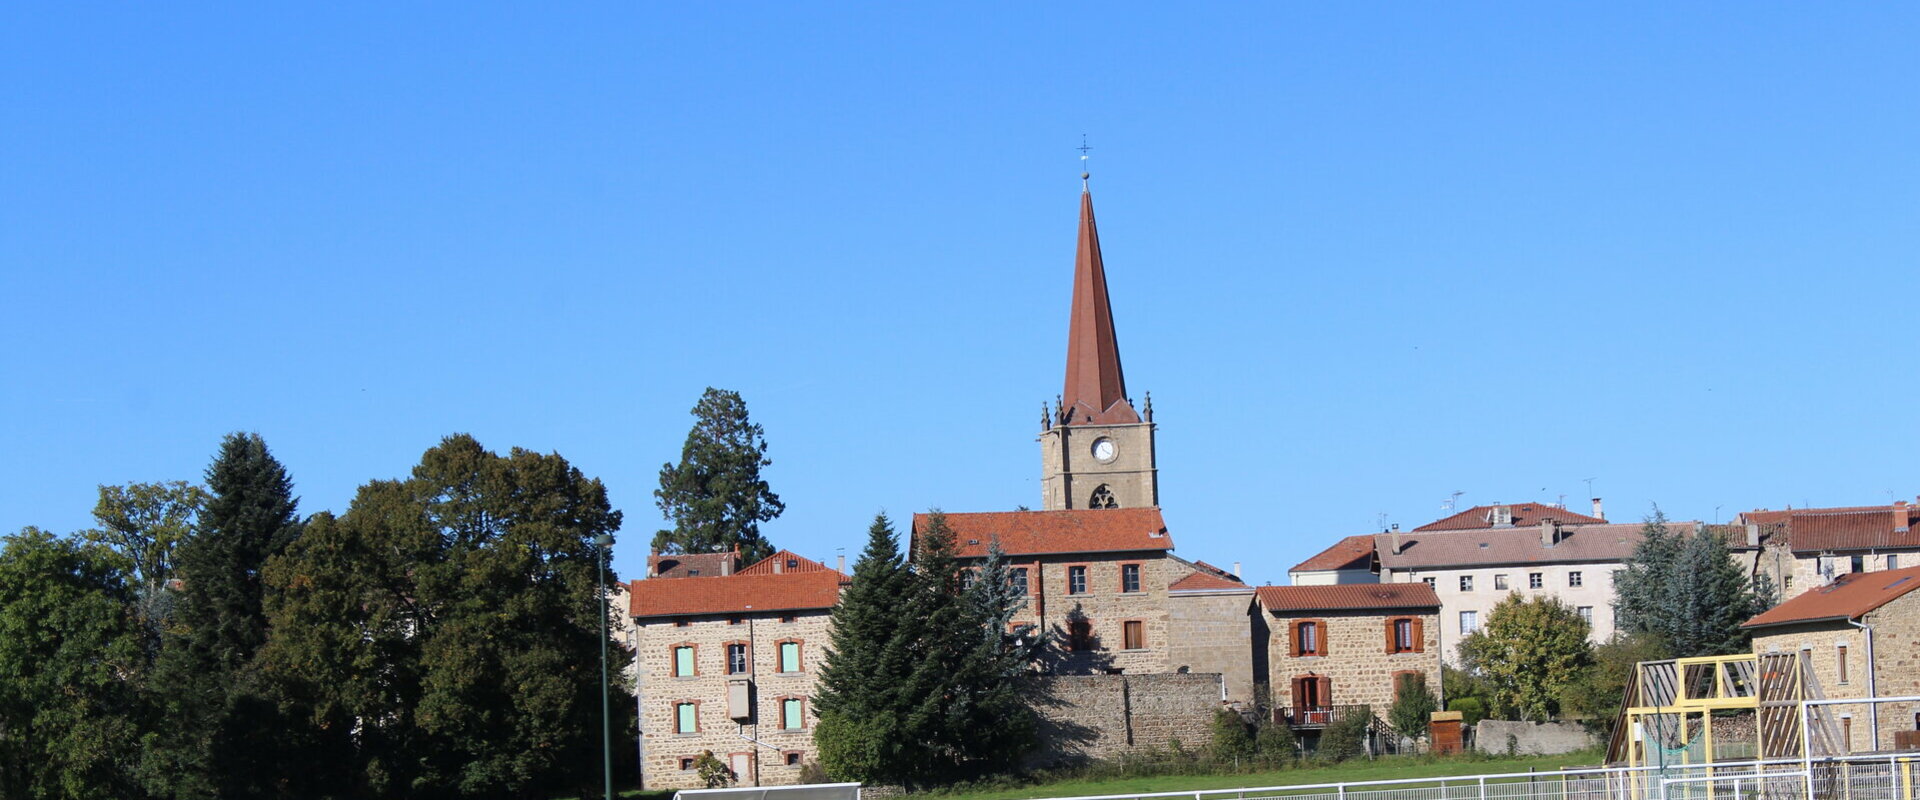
(682, 661)
(685, 721)
(790, 714)
(789, 656)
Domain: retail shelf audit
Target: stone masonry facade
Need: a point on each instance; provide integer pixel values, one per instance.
(1215, 634)
(1354, 656)
(1104, 607)
(1896, 646)
(1087, 717)
(761, 749)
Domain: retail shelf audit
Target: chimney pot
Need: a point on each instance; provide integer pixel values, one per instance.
(1396, 540)
(1549, 533)
(1753, 534)
(1598, 512)
(1900, 517)
(1236, 569)
(840, 563)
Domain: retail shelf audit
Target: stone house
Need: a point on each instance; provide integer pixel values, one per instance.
(1805, 548)
(1861, 634)
(727, 662)
(1106, 587)
(1331, 647)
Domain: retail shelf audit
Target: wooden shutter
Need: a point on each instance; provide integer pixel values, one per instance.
(1297, 628)
(1391, 639)
(1419, 636)
(1326, 692)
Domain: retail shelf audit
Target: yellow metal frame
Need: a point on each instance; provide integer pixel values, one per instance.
(1722, 694)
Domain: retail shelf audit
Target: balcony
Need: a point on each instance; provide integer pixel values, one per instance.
(1311, 716)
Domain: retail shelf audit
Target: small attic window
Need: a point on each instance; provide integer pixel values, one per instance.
(1897, 583)
(692, 572)
(1483, 545)
(973, 541)
(793, 563)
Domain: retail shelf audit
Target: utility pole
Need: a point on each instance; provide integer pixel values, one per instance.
(602, 542)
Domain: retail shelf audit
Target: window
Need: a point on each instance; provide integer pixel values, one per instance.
(1576, 579)
(1102, 498)
(1840, 661)
(1076, 580)
(684, 718)
(733, 620)
(1466, 583)
(793, 563)
(1133, 635)
(967, 577)
(736, 658)
(1129, 577)
(1826, 565)
(1079, 635)
(1586, 614)
(1022, 631)
(1893, 561)
(1018, 577)
(1428, 582)
(1308, 639)
(793, 758)
(679, 622)
(1857, 564)
(686, 763)
(1536, 580)
(1786, 585)
(683, 661)
(790, 718)
(1846, 732)
(1469, 622)
(1403, 635)
(789, 656)
(1499, 583)
(788, 617)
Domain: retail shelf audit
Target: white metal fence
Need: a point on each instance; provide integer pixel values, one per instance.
(1851, 778)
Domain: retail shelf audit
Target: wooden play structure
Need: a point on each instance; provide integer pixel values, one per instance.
(1721, 708)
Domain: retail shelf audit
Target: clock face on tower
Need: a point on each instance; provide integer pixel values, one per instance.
(1103, 450)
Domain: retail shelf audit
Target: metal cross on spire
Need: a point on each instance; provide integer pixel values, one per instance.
(1083, 148)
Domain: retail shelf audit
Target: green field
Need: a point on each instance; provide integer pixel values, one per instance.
(1383, 769)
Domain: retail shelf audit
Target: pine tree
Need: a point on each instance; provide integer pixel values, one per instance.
(715, 496)
(1643, 602)
(859, 702)
(1687, 592)
(941, 645)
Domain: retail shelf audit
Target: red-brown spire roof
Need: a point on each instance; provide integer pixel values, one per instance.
(1096, 392)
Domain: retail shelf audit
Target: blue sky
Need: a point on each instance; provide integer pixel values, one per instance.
(1362, 256)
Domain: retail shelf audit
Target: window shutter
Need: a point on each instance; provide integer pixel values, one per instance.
(1391, 624)
(1326, 692)
(1295, 639)
(1419, 636)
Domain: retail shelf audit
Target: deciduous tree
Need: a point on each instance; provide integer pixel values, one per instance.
(715, 496)
(1529, 652)
(1413, 706)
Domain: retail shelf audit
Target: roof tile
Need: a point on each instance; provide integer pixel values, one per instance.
(792, 591)
(1524, 514)
(1028, 533)
(1348, 596)
(1848, 597)
(1353, 552)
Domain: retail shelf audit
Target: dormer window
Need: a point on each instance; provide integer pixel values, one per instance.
(1102, 498)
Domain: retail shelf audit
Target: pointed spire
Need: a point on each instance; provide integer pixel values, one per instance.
(1096, 391)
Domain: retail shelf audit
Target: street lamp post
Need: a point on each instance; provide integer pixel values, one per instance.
(602, 542)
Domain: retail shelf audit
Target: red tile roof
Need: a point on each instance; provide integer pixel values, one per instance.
(1817, 530)
(1028, 533)
(1523, 514)
(1348, 596)
(1206, 581)
(689, 565)
(732, 594)
(1848, 597)
(783, 562)
(1353, 552)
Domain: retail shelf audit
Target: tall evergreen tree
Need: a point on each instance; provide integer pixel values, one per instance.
(859, 702)
(220, 739)
(1687, 592)
(994, 712)
(1643, 602)
(715, 496)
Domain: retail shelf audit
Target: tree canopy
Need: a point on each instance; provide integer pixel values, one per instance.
(715, 496)
(1529, 653)
(1687, 592)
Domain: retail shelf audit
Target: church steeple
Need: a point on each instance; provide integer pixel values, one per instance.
(1096, 390)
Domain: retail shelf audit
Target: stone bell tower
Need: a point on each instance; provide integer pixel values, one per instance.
(1096, 451)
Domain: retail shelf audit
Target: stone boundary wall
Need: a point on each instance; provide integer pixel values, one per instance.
(1531, 738)
(1089, 717)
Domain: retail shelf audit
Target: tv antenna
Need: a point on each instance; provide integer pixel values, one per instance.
(1383, 520)
(1452, 502)
(1590, 486)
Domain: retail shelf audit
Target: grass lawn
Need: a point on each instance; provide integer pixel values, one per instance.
(1390, 768)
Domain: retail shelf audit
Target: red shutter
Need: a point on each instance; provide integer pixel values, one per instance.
(1419, 636)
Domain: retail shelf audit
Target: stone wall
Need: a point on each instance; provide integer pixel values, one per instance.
(1355, 658)
(1214, 634)
(1530, 738)
(1086, 717)
(1896, 645)
(1105, 608)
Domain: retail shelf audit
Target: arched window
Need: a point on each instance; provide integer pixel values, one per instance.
(1102, 498)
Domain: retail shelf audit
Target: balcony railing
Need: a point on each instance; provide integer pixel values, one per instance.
(1310, 716)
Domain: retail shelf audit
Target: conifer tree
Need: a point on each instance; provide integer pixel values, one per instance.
(1687, 592)
(859, 702)
(1643, 602)
(715, 496)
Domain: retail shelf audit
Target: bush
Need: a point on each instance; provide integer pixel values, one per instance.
(1413, 707)
(1346, 737)
(1232, 743)
(1472, 710)
(1275, 744)
(712, 771)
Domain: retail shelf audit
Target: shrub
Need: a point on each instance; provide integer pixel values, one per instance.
(1232, 743)
(1346, 736)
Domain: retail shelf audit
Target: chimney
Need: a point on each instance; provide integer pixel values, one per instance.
(1236, 569)
(1753, 534)
(1549, 533)
(840, 563)
(1900, 517)
(1501, 516)
(779, 566)
(1397, 547)
(1597, 510)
